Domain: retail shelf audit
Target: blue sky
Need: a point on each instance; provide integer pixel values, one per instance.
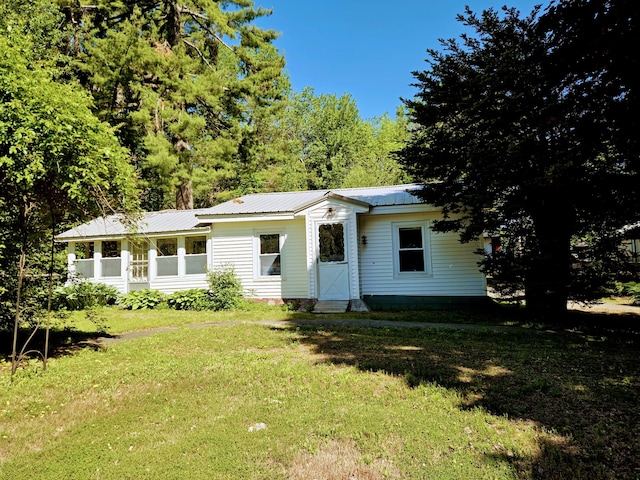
(366, 48)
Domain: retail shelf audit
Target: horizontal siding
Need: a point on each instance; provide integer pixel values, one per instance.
(454, 265)
(171, 284)
(233, 245)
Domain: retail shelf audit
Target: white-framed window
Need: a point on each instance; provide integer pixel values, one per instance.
(195, 255)
(267, 254)
(111, 262)
(166, 257)
(411, 249)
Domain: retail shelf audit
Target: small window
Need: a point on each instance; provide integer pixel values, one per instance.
(111, 249)
(167, 247)
(195, 245)
(411, 248)
(84, 250)
(269, 254)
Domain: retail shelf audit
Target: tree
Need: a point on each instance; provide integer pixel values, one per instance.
(57, 160)
(520, 129)
(182, 82)
(326, 144)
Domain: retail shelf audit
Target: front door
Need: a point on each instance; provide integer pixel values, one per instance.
(139, 266)
(333, 266)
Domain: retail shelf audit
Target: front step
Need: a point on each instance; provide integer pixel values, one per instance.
(331, 306)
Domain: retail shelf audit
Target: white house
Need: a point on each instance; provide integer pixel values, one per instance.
(364, 244)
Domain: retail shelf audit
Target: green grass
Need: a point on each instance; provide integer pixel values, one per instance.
(337, 402)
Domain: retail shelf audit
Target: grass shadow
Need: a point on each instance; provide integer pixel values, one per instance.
(580, 381)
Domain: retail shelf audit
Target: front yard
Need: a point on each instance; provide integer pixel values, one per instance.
(247, 400)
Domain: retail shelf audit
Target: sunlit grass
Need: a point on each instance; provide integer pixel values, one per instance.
(336, 401)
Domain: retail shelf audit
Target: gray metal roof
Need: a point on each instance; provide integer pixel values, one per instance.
(149, 223)
(292, 202)
(168, 221)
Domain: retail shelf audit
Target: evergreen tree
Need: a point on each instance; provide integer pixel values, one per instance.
(184, 83)
(524, 128)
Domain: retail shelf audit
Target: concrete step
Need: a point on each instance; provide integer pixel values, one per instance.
(331, 306)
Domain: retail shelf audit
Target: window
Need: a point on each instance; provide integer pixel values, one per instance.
(331, 242)
(84, 250)
(196, 255)
(196, 245)
(84, 259)
(167, 260)
(111, 266)
(167, 247)
(411, 245)
(269, 261)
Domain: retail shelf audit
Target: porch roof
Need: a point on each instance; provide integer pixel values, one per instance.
(149, 223)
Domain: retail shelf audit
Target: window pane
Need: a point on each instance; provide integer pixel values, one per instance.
(270, 243)
(270, 264)
(195, 264)
(111, 249)
(410, 237)
(195, 245)
(411, 261)
(111, 267)
(167, 247)
(331, 242)
(84, 250)
(167, 266)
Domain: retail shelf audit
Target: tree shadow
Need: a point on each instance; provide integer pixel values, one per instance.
(580, 387)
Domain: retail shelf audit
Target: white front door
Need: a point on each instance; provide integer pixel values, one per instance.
(333, 264)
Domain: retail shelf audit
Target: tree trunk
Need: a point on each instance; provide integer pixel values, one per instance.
(548, 274)
(184, 196)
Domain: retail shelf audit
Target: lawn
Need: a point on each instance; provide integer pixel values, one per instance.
(243, 400)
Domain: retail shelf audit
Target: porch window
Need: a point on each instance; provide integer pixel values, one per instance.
(111, 261)
(411, 245)
(84, 259)
(195, 255)
(268, 247)
(167, 257)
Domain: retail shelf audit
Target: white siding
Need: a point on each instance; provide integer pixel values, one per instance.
(233, 245)
(454, 265)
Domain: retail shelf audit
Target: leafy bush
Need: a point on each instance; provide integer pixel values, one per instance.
(194, 299)
(141, 299)
(226, 289)
(630, 289)
(83, 295)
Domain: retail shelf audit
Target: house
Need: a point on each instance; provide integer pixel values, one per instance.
(371, 245)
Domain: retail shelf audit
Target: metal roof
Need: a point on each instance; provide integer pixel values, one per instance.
(292, 202)
(149, 223)
(167, 221)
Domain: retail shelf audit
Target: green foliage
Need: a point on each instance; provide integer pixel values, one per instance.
(225, 287)
(193, 299)
(84, 295)
(146, 299)
(629, 289)
(515, 131)
(185, 82)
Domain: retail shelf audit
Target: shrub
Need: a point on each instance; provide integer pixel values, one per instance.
(84, 295)
(631, 289)
(141, 299)
(226, 289)
(194, 299)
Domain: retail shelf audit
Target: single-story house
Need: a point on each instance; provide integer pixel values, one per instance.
(373, 245)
